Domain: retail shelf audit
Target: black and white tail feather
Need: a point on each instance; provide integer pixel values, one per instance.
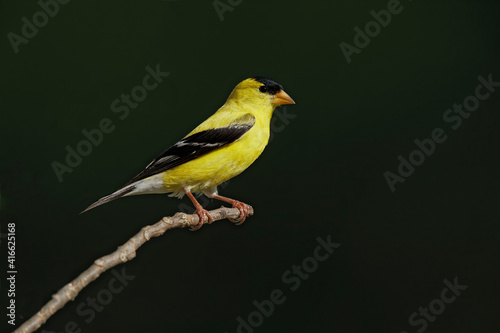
(115, 195)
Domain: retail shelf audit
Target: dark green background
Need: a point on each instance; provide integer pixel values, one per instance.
(321, 175)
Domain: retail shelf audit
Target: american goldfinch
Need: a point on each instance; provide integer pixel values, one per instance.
(219, 149)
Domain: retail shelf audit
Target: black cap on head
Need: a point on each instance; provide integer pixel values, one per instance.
(269, 86)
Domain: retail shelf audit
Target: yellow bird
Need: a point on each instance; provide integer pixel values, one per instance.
(217, 150)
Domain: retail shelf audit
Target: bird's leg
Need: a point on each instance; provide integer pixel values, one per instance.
(200, 211)
(242, 207)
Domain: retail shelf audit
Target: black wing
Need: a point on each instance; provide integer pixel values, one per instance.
(192, 147)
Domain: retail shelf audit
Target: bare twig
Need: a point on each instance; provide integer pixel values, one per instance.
(124, 253)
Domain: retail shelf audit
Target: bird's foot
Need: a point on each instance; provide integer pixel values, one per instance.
(244, 212)
(204, 217)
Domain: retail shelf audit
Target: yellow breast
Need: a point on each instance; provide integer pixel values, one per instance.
(223, 164)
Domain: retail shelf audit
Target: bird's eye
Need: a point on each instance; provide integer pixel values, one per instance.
(263, 89)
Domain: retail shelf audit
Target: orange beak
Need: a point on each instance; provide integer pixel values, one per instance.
(282, 98)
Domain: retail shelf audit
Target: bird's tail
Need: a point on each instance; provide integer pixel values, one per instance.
(115, 195)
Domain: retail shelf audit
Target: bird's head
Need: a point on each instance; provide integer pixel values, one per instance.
(259, 90)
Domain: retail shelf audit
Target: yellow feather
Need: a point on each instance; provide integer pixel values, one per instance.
(210, 170)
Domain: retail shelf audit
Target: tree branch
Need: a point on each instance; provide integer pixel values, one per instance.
(123, 254)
